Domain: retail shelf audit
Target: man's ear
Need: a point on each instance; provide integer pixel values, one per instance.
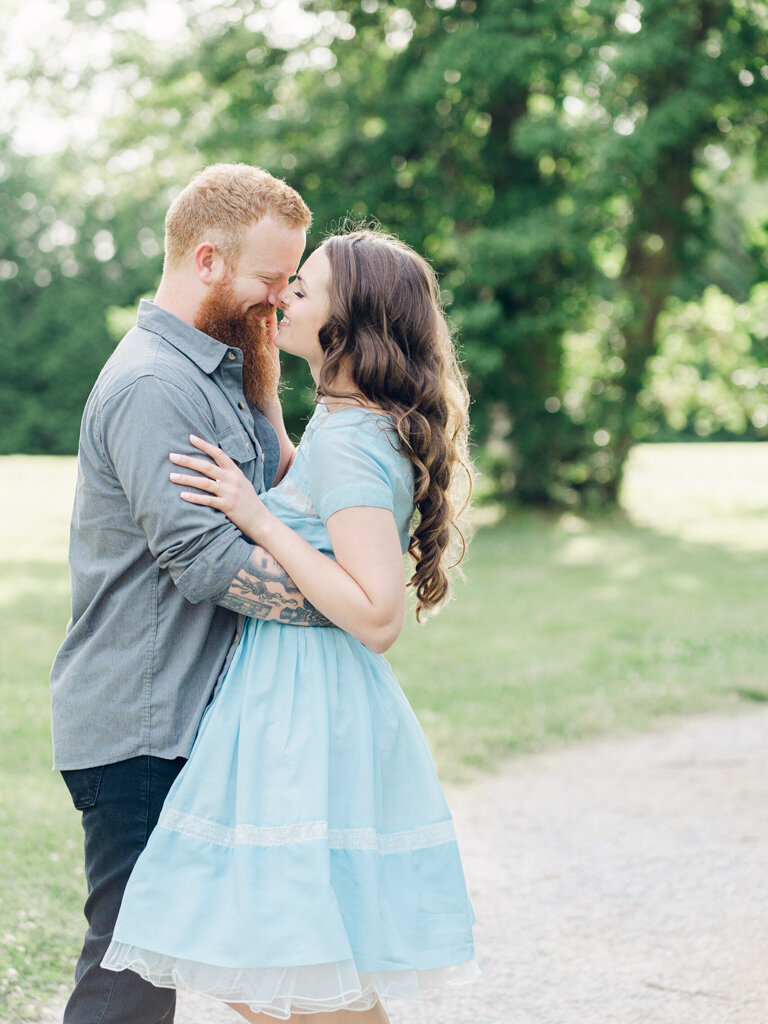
(208, 262)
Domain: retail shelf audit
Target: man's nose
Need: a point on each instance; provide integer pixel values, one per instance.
(280, 298)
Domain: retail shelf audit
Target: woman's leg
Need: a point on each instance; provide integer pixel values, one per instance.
(376, 1015)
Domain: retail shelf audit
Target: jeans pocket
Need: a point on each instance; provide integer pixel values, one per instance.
(83, 785)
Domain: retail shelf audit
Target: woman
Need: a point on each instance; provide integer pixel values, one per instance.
(305, 861)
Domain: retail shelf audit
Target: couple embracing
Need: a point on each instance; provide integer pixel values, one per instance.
(263, 822)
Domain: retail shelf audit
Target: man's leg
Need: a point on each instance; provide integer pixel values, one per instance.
(121, 804)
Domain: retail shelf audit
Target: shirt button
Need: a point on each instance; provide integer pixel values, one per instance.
(263, 456)
(236, 638)
(247, 445)
(241, 405)
(231, 355)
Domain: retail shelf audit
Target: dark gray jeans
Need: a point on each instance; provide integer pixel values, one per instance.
(120, 804)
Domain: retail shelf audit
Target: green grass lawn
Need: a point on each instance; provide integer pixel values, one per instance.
(40, 854)
(565, 628)
(568, 628)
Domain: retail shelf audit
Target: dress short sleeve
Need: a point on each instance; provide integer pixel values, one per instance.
(351, 462)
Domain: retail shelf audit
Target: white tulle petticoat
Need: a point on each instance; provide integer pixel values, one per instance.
(282, 991)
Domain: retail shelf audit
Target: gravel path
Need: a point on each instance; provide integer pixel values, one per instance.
(621, 882)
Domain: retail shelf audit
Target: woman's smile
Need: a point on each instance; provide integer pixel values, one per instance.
(306, 299)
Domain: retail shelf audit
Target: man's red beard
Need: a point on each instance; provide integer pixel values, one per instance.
(221, 317)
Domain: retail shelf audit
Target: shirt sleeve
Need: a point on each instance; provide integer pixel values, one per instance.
(350, 466)
(140, 426)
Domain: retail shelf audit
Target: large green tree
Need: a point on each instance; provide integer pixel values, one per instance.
(407, 113)
(671, 94)
(564, 166)
(547, 157)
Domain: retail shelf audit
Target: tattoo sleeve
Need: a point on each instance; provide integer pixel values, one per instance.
(264, 590)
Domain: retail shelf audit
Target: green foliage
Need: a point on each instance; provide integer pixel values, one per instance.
(411, 118)
(710, 375)
(59, 274)
(569, 176)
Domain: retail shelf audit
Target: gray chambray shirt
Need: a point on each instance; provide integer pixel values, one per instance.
(147, 642)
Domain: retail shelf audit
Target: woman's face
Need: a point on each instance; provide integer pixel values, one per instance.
(306, 308)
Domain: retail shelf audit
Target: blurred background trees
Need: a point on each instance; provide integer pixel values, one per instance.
(587, 176)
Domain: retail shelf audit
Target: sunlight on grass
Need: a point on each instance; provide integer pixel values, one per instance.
(571, 627)
(41, 923)
(711, 493)
(37, 504)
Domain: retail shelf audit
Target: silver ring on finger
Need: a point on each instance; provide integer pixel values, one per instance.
(216, 488)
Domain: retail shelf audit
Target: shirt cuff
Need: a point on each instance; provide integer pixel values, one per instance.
(209, 577)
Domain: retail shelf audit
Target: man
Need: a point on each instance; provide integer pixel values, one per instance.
(157, 582)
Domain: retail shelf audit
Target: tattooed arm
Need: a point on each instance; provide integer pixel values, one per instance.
(264, 590)
(361, 588)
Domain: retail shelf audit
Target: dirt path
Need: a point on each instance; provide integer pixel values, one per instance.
(623, 882)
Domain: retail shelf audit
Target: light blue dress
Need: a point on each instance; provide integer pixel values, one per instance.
(305, 858)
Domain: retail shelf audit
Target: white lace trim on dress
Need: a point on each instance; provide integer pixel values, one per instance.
(306, 832)
(280, 991)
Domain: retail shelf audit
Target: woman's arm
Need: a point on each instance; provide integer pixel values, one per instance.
(362, 592)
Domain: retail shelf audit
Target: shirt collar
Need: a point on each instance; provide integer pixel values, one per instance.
(199, 347)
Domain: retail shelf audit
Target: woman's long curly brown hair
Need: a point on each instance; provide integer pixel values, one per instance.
(387, 331)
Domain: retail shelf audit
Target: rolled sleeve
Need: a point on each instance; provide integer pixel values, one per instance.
(201, 549)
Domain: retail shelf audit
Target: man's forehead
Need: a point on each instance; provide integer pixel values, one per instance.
(271, 248)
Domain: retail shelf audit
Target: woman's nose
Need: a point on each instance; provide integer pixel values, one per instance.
(281, 299)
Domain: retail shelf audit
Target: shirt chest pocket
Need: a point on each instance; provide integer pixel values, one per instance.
(239, 447)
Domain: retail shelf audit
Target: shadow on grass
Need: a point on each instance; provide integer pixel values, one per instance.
(571, 628)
